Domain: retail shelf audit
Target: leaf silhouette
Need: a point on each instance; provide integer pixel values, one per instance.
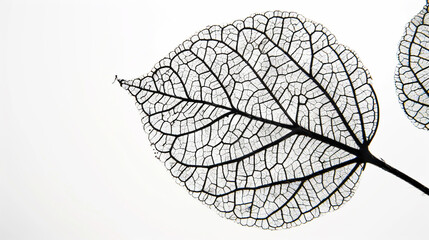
(412, 73)
(267, 120)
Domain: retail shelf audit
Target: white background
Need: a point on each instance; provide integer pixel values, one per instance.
(76, 164)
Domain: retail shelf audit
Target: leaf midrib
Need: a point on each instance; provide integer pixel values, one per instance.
(295, 130)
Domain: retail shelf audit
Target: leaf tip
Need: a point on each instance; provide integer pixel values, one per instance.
(122, 82)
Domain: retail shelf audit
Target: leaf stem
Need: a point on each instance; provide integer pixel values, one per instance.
(381, 164)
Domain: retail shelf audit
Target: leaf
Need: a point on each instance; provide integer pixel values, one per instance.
(267, 120)
(412, 73)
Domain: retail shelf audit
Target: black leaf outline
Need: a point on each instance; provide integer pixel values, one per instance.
(412, 72)
(267, 120)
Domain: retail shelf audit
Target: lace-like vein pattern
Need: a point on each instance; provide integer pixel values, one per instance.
(412, 73)
(262, 119)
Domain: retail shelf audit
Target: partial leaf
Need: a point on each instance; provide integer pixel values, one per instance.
(267, 120)
(412, 73)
